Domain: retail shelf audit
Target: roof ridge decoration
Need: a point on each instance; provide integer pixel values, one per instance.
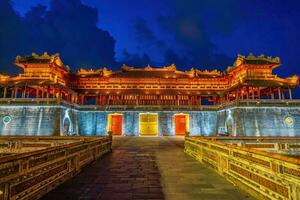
(171, 67)
(197, 72)
(107, 72)
(88, 71)
(4, 76)
(241, 59)
(255, 60)
(125, 67)
(44, 58)
(293, 79)
(101, 72)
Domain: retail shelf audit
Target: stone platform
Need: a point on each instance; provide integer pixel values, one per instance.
(147, 168)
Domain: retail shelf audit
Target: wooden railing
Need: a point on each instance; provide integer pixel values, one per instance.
(32, 174)
(263, 174)
(61, 102)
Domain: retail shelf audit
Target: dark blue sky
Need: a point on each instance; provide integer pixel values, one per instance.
(190, 33)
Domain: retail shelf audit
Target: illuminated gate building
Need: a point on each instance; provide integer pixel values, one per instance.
(245, 99)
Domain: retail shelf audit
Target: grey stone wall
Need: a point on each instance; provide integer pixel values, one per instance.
(238, 121)
(29, 120)
(261, 121)
(166, 123)
(203, 123)
(91, 123)
(130, 123)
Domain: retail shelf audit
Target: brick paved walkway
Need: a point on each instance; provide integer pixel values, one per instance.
(147, 168)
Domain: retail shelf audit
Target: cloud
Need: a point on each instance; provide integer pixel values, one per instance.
(193, 23)
(190, 25)
(136, 60)
(68, 27)
(145, 35)
(11, 29)
(170, 57)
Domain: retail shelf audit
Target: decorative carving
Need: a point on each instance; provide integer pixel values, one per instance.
(259, 146)
(288, 121)
(9, 170)
(275, 187)
(6, 119)
(250, 158)
(293, 172)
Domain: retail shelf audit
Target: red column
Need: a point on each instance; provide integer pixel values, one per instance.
(282, 93)
(37, 95)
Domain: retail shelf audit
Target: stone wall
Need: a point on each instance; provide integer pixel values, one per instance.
(260, 121)
(203, 123)
(92, 123)
(130, 123)
(95, 122)
(29, 120)
(237, 121)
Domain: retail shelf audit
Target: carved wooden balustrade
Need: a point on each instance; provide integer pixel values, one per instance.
(263, 174)
(30, 175)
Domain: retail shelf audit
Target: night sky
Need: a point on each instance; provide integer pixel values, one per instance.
(206, 34)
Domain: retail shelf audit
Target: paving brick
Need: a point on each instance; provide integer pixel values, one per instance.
(153, 168)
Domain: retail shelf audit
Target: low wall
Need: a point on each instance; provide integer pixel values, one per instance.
(32, 174)
(264, 175)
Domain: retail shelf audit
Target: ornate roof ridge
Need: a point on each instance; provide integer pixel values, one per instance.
(261, 57)
(195, 72)
(88, 71)
(171, 67)
(44, 58)
(255, 60)
(102, 71)
(4, 76)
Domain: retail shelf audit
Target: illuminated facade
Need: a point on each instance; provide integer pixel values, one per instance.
(142, 101)
(47, 77)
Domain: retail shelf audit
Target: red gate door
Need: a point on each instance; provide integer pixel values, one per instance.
(180, 124)
(116, 124)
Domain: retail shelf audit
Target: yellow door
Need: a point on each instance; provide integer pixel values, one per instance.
(148, 124)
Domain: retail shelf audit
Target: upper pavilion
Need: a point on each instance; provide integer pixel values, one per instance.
(250, 77)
